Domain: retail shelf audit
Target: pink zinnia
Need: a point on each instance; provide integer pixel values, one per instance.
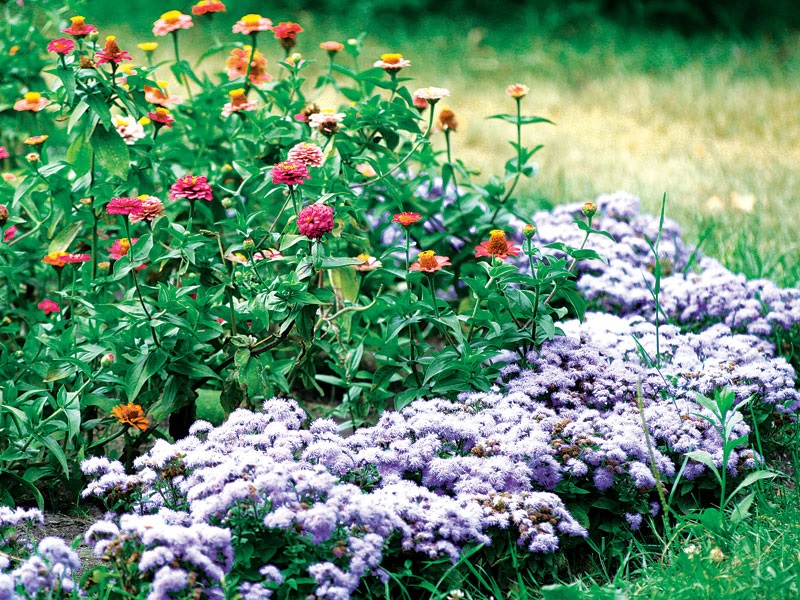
(161, 116)
(79, 28)
(170, 21)
(120, 247)
(4, 153)
(48, 306)
(152, 208)
(76, 258)
(429, 262)
(286, 33)
(111, 53)
(61, 46)
(308, 154)
(252, 24)
(123, 206)
(193, 187)
(315, 220)
(496, 246)
(9, 233)
(290, 172)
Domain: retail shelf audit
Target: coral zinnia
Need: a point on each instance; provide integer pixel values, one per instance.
(429, 262)
(239, 59)
(111, 53)
(406, 219)
(238, 103)
(192, 187)
(517, 90)
(286, 33)
(131, 414)
(497, 245)
(123, 206)
(392, 63)
(290, 172)
(208, 7)
(315, 220)
(59, 259)
(332, 47)
(32, 101)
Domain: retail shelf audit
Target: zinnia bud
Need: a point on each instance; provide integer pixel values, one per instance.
(529, 231)
(248, 245)
(107, 360)
(226, 202)
(589, 209)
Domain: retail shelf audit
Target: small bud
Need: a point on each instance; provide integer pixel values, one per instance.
(589, 209)
(32, 157)
(226, 202)
(248, 245)
(93, 36)
(3, 214)
(19, 354)
(529, 231)
(107, 360)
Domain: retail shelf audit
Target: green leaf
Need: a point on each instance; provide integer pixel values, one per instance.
(143, 369)
(51, 444)
(65, 237)
(335, 262)
(523, 120)
(111, 152)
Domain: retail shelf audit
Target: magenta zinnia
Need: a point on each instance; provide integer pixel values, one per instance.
(192, 187)
(315, 220)
(61, 46)
(79, 28)
(111, 53)
(48, 306)
(290, 172)
(496, 246)
(123, 206)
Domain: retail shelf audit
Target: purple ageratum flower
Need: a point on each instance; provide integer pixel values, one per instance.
(634, 520)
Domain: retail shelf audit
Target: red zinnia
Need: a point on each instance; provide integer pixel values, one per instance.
(192, 187)
(429, 262)
(161, 116)
(48, 306)
(286, 33)
(111, 53)
(315, 220)
(124, 206)
(406, 219)
(497, 245)
(290, 172)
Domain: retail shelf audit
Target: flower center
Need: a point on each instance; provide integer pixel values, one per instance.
(171, 17)
(78, 21)
(32, 96)
(391, 59)
(251, 20)
(427, 260)
(363, 257)
(497, 242)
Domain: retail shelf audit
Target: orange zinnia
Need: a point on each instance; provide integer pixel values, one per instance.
(131, 414)
(406, 218)
(429, 262)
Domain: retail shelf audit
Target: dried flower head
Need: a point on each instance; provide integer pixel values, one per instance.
(447, 120)
(315, 220)
(326, 121)
(429, 262)
(131, 414)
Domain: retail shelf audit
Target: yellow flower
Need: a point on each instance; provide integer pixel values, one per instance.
(147, 46)
(131, 414)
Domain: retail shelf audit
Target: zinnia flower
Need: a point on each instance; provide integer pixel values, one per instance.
(239, 102)
(111, 53)
(290, 172)
(308, 154)
(61, 46)
(128, 128)
(366, 169)
(332, 47)
(131, 414)
(517, 90)
(315, 220)
(123, 206)
(4, 153)
(120, 247)
(162, 117)
(59, 259)
(172, 21)
(429, 262)
(32, 101)
(286, 33)
(447, 120)
(431, 94)
(237, 65)
(152, 208)
(496, 246)
(160, 95)
(3, 214)
(9, 233)
(147, 46)
(36, 140)
(271, 254)
(48, 306)
(79, 29)
(252, 24)
(326, 121)
(392, 63)
(369, 263)
(406, 219)
(32, 157)
(192, 187)
(208, 7)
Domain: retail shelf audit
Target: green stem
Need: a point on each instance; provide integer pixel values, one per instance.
(136, 284)
(519, 152)
(247, 83)
(184, 79)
